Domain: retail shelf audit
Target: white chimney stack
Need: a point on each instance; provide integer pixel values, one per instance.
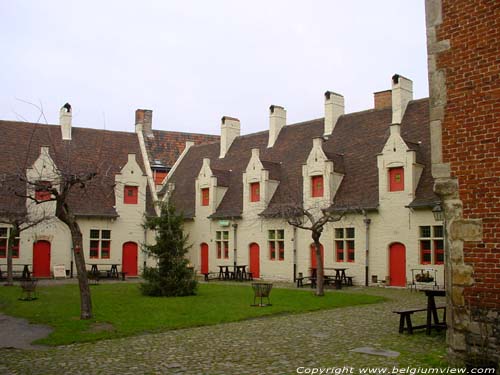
(230, 129)
(402, 93)
(277, 119)
(65, 116)
(334, 108)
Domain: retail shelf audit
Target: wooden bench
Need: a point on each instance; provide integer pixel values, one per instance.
(349, 280)
(405, 317)
(249, 276)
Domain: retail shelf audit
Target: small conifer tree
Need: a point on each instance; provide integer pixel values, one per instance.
(172, 276)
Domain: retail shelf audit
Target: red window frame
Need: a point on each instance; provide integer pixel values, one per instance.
(281, 250)
(272, 250)
(317, 188)
(205, 196)
(94, 249)
(105, 249)
(226, 249)
(130, 195)
(219, 250)
(425, 252)
(350, 250)
(438, 251)
(3, 248)
(396, 179)
(339, 251)
(255, 192)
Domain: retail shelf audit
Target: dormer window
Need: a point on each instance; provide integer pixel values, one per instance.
(205, 196)
(316, 186)
(396, 179)
(41, 192)
(255, 192)
(131, 194)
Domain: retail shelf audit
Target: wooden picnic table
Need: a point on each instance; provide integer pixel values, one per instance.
(432, 313)
(25, 272)
(112, 273)
(239, 272)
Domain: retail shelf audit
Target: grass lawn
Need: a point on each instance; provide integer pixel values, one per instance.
(127, 312)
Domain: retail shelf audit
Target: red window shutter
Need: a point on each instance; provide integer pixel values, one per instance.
(205, 196)
(159, 177)
(255, 192)
(396, 179)
(317, 186)
(130, 195)
(94, 249)
(350, 251)
(272, 250)
(105, 249)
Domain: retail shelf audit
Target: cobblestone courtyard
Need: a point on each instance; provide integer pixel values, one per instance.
(275, 345)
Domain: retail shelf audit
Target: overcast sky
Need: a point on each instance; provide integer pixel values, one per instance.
(192, 62)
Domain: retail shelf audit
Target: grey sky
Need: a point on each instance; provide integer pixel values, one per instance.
(192, 62)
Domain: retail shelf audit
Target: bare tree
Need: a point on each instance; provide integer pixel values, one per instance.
(313, 220)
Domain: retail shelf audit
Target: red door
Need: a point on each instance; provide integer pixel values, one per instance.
(255, 260)
(314, 263)
(41, 259)
(129, 258)
(204, 258)
(397, 264)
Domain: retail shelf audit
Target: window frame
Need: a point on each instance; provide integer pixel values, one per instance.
(222, 244)
(344, 237)
(433, 235)
(42, 195)
(97, 250)
(4, 238)
(276, 244)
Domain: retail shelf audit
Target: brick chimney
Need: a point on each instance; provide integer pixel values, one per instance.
(402, 93)
(230, 129)
(334, 108)
(144, 121)
(277, 119)
(382, 99)
(65, 117)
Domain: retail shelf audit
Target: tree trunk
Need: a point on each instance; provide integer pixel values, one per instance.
(83, 282)
(319, 264)
(63, 214)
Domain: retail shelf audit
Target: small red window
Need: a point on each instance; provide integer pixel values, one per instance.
(131, 194)
(159, 176)
(226, 249)
(396, 179)
(350, 251)
(255, 192)
(41, 193)
(3, 248)
(317, 186)
(205, 196)
(219, 250)
(94, 249)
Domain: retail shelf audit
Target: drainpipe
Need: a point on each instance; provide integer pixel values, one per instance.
(235, 228)
(367, 222)
(294, 239)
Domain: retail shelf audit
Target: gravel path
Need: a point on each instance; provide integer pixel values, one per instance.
(272, 345)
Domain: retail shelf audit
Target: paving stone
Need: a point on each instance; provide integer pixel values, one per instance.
(272, 345)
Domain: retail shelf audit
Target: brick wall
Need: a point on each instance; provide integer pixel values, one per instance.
(471, 130)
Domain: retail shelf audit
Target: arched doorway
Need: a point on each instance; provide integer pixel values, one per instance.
(254, 256)
(204, 258)
(41, 259)
(129, 258)
(314, 262)
(397, 264)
